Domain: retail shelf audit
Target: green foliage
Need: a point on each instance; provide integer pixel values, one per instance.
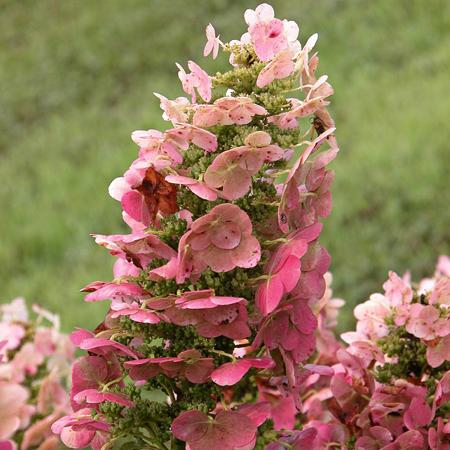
(77, 78)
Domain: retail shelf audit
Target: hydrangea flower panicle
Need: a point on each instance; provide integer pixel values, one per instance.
(217, 292)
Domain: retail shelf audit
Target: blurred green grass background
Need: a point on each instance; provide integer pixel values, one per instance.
(77, 77)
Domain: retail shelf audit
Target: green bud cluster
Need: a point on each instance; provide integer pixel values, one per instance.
(181, 338)
(171, 230)
(242, 55)
(410, 354)
(241, 79)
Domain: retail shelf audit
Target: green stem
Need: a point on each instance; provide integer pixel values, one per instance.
(220, 352)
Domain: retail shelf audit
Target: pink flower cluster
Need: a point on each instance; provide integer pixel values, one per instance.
(427, 319)
(390, 385)
(220, 298)
(35, 361)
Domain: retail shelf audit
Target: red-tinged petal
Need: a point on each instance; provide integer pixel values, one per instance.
(283, 413)
(7, 445)
(419, 414)
(200, 371)
(204, 192)
(230, 373)
(305, 348)
(78, 336)
(261, 363)
(145, 316)
(143, 369)
(320, 369)
(275, 329)
(76, 439)
(222, 315)
(248, 254)
(411, 440)
(226, 300)
(113, 290)
(167, 271)
(311, 285)
(238, 329)
(88, 372)
(292, 338)
(305, 438)
(236, 429)
(200, 303)
(303, 317)
(269, 294)
(289, 273)
(200, 241)
(240, 115)
(218, 260)
(133, 203)
(100, 440)
(257, 412)
(191, 426)
(178, 179)
(95, 397)
(236, 184)
(226, 236)
(309, 233)
(99, 345)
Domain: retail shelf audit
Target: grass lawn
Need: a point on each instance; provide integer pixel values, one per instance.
(77, 77)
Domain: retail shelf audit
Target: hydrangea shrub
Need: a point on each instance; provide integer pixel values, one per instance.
(212, 315)
(35, 360)
(390, 382)
(220, 331)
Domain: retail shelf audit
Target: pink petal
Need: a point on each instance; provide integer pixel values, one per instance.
(100, 346)
(134, 205)
(167, 271)
(226, 236)
(261, 363)
(230, 373)
(123, 268)
(257, 412)
(142, 370)
(319, 369)
(227, 300)
(304, 318)
(200, 371)
(236, 429)
(190, 425)
(118, 188)
(248, 253)
(283, 413)
(204, 192)
(269, 294)
(290, 273)
(240, 115)
(78, 336)
(95, 397)
(145, 316)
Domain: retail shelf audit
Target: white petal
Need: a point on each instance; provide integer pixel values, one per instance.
(311, 42)
(264, 13)
(291, 30)
(250, 17)
(118, 187)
